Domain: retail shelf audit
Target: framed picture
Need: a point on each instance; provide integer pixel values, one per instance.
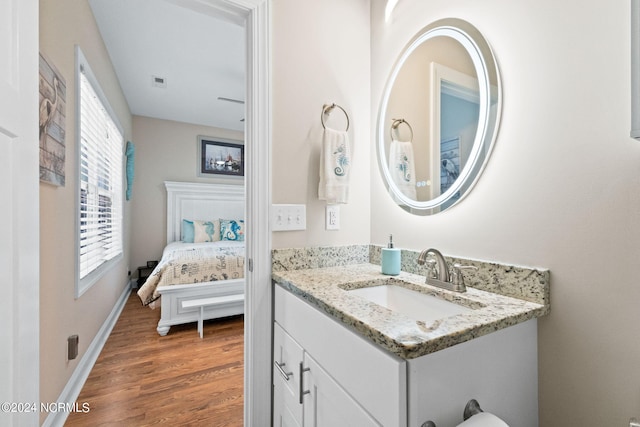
(53, 94)
(217, 156)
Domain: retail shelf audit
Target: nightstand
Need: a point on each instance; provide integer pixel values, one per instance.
(143, 274)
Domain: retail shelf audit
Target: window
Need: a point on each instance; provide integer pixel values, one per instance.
(100, 171)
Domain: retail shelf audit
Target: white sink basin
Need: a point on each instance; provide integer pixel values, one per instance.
(413, 304)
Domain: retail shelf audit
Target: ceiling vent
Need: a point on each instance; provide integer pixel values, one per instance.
(160, 82)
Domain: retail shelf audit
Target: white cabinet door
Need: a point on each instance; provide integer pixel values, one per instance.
(373, 378)
(283, 415)
(287, 357)
(326, 404)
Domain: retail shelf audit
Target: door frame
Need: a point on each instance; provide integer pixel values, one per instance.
(254, 14)
(258, 291)
(467, 88)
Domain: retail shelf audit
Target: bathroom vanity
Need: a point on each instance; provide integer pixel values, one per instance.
(341, 359)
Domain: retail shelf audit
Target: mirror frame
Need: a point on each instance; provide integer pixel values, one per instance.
(486, 67)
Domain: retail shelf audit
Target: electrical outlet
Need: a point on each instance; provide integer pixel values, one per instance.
(288, 217)
(72, 347)
(333, 217)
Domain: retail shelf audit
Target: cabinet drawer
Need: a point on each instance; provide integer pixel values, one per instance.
(376, 379)
(287, 356)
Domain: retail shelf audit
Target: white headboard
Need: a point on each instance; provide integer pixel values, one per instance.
(194, 200)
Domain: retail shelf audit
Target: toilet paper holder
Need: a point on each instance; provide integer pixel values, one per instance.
(471, 408)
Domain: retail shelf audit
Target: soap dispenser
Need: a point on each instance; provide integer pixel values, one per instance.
(390, 259)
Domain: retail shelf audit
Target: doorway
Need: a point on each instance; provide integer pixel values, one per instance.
(253, 15)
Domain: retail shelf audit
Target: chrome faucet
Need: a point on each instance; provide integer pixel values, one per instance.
(440, 276)
(443, 270)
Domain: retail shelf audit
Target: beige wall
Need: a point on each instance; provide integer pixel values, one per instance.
(62, 25)
(560, 190)
(320, 55)
(165, 151)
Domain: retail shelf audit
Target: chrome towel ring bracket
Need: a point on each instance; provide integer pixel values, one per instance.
(394, 126)
(326, 110)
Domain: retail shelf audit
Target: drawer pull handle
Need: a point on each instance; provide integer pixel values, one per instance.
(302, 390)
(284, 374)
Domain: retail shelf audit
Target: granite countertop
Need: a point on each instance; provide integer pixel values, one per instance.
(326, 289)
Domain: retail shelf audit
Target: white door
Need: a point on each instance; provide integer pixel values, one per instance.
(327, 404)
(19, 214)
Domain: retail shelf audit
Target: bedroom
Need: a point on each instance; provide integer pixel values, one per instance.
(541, 163)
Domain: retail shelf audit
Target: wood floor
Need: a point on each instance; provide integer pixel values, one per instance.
(142, 379)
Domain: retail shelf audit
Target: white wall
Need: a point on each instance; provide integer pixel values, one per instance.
(320, 55)
(560, 190)
(62, 25)
(165, 151)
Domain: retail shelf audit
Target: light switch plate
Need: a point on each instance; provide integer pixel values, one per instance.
(333, 217)
(288, 217)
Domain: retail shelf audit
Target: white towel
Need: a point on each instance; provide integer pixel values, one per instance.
(335, 164)
(402, 167)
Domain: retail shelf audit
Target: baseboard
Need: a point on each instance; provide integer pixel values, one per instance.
(71, 391)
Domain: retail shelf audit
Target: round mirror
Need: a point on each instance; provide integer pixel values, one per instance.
(438, 117)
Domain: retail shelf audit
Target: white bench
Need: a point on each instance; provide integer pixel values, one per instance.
(205, 302)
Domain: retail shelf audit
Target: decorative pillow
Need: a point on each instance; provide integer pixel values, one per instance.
(187, 231)
(200, 231)
(206, 231)
(232, 229)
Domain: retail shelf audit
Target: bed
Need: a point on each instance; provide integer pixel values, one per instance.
(198, 281)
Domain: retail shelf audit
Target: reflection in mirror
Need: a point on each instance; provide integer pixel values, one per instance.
(458, 107)
(445, 87)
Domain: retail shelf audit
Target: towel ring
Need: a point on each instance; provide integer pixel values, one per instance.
(326, 109)
(396, 123)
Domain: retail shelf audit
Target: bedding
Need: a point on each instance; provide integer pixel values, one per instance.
(186, 263)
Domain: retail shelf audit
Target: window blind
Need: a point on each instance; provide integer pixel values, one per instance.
(100, 170)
